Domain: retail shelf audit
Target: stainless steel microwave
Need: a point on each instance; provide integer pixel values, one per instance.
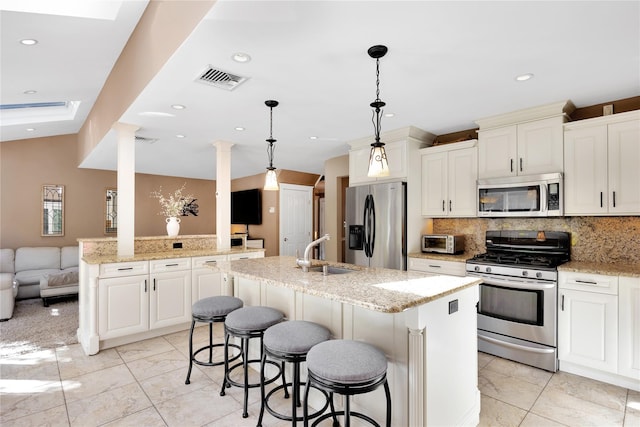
(521, 196)
(443, 243)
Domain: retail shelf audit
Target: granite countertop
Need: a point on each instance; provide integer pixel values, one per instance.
(177, 253)
(615, 269)
(444, 257)
(379, 289)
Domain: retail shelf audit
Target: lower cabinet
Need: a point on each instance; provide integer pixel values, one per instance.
(437, 266)
(629, 324)
(123, 306)
(170, 294)
(206, 282)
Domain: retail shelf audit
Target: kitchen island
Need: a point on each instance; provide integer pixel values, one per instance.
(425, 324)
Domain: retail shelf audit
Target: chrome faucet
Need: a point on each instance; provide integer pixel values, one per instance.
(305, 262)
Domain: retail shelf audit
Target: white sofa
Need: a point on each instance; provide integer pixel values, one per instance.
(8, 286)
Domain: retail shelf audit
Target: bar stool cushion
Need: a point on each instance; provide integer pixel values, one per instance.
(346, 361)
(253, 318)
(211, 307)
(295, 336)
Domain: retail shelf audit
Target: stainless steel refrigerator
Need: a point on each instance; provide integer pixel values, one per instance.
(376, 231)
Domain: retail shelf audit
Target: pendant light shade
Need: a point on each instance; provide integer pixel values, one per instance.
(378, 165)
(271, 179)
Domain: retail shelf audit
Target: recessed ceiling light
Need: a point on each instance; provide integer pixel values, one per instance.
(524, 77)
(241, 57)
(29, 42)
(389, 114)
(30, 129)
(313, 137)
(29, 92)
(179, 135)
(178, 107)
(239, 128)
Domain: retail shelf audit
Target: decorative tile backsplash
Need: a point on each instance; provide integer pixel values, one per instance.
(595, 239)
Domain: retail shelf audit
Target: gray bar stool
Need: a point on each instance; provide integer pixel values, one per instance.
(290, 342)
(210, 310)
(348, 368)
(247, 323)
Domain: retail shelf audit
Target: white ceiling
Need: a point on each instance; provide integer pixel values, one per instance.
(449, 63)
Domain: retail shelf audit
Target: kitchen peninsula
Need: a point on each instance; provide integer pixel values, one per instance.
(425, 324)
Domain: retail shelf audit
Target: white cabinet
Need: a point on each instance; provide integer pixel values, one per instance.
(588, 320)
(629, 323)
(601, 165)
(437, 266)
(449, 175)
(170, 296)
(123, 307)
(206, 282)
(246, 255)
(529, 148)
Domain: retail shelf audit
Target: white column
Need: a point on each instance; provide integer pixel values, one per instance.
(125, 134)
(223, 194)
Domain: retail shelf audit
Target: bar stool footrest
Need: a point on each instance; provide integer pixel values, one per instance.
(252, 385)
(207, 347)
(338, 413)
(288, 417)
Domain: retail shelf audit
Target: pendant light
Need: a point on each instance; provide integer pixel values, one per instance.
(271, 179)
(378, 165)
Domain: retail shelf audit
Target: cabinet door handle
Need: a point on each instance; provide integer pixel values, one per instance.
(443, 206)
(562, 303)
(614, 199)
(520, 164)
(171, 265)
(145, 286)
(125, 268)
(601, 199)
(434, 266)
(511, 165)
(449, 205)
(154, 285)
(586, 282)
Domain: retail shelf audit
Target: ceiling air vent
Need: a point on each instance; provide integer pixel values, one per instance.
(146, 140)
(221, 79)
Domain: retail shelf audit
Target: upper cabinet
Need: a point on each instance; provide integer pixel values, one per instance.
(401, 147)
(526, 142)
(602, 158)
(449, 175)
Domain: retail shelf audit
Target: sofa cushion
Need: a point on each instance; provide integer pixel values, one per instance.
(43, 258)
(32, 277)
(6, 261)
(69, 257)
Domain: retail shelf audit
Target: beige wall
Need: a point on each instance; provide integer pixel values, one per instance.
(335, 170)
(26, 165)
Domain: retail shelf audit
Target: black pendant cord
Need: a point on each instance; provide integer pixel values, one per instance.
(377, 104)
(271, 147)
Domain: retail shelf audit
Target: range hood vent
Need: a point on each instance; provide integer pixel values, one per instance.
(221, 79)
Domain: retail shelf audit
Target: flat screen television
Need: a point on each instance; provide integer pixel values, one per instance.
(246, 207)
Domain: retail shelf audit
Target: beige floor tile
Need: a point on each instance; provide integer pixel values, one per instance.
(533, 420)
(40, 365)
(511, 390)
(94, 383)
(22, 397)
(108, 406)
(157, 364)
(54, 417)
(145, 418)
(590, 390)
(142, 349)
(496, 413)
(632, 414)
(517, 370)
(572, 411)
(171, 384)
(197, 408)
(484, 359)
(72, 361)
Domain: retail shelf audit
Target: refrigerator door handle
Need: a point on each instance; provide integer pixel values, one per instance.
(365, 222)
(372, 231)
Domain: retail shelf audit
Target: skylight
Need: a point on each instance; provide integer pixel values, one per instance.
(37, 112)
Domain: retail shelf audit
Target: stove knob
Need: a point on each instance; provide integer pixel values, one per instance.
(538, 274)
(476, 268)
(488, 270)
(525, 273)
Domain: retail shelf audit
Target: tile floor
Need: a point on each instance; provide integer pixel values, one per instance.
(142, 384)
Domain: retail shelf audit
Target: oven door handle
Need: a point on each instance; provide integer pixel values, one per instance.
(516, 346)
(515, 282)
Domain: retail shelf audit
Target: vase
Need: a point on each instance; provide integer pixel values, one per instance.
(173, 226)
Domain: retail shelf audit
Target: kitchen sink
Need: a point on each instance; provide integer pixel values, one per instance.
(331, 269)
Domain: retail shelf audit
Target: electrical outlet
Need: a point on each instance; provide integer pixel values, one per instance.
(453, 306)
(177, 245)
(607, 110)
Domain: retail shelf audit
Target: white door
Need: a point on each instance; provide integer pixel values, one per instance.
(296, 219)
